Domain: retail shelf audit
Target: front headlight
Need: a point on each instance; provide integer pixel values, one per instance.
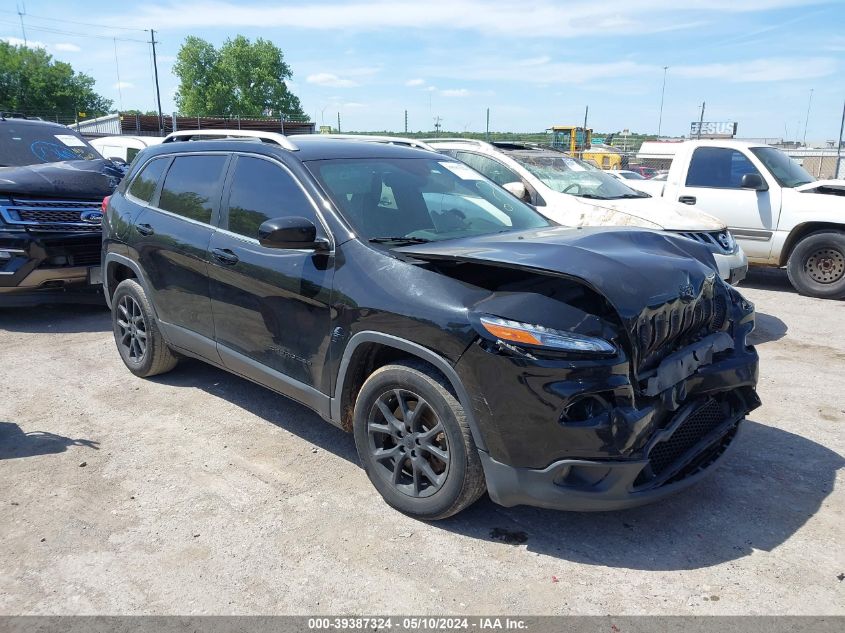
(539, 336)
(726, 240)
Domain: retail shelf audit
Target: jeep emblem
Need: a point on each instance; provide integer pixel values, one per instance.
(686, 293)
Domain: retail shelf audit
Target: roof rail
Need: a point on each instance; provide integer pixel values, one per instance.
(456, 139)
(390, 140)
(268, 137)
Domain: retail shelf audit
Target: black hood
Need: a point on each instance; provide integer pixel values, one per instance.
(82, 179)
(633, 269)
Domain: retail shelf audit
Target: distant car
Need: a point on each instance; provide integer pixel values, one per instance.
(642, 170)
(660, 177)
(123, 149)
(574, 193)
(52, 185)
(625, 174)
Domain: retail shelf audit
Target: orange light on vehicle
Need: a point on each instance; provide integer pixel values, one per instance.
(510, 334)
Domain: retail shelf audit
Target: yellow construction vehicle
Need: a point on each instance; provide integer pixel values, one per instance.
(570, 138)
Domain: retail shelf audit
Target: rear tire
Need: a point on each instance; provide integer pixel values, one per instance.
(139, 341)
(414, 442)
(816, 266)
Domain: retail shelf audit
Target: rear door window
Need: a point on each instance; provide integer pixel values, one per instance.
(145, 183)
(262, 191)
(192, 186)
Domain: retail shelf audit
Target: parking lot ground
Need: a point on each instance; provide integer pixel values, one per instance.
(200, 493)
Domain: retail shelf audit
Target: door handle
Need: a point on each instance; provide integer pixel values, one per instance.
(687, 199)
(224, 256)
(144, 229)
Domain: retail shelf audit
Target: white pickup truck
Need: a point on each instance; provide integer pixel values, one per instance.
(779, 213)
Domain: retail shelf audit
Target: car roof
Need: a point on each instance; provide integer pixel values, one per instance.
(34, 123)
(309, 147)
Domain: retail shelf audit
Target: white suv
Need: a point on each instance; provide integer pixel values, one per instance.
(574, 193)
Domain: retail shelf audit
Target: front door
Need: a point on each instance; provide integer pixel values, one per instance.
(172, 237)
(713, 186)
(271, 306)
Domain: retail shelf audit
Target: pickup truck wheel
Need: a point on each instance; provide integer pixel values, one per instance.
(816, 266)
(139, 341)
(414, 442)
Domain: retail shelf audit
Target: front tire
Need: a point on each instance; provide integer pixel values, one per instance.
(816, 266)
(414, 442)
(139, 341)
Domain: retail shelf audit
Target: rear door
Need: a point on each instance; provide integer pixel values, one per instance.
(712, 185)
(172, 237)
(271, 306)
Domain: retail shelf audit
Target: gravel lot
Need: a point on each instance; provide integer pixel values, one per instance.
(199, 493)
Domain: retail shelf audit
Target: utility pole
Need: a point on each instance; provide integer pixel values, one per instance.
(662, 94)
(437, 126)
(406, 121)
(701, 119)
(807, 120)
(584, 133)
(338, 122)
(488, 124)
(839, 145)
(158, 91)
(21, 13)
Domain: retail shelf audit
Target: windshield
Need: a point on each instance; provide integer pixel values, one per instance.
(786, 171)
(575, 177)
(29, 144)
(420, 199)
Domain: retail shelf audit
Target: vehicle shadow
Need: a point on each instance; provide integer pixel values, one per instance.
(56, 319)
(263, 403)
(766, 488)
(767, 328)
(15, 443)
(767, 279)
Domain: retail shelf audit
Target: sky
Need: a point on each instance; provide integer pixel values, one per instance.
(533, 63)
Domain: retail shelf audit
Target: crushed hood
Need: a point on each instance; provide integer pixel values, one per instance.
(830, 187)
(84, 179)
(670, 216)
(633, 269)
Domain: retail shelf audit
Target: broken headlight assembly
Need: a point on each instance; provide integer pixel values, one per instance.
(537, 336)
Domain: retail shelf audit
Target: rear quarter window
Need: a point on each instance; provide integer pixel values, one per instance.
(144, 185)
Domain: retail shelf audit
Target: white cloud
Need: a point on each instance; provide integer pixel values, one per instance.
(540, 18)
(67, 47)
(16, 41)
(762, 70)
(331, 80)
(455, 92)
(123, 85)
(415, 82)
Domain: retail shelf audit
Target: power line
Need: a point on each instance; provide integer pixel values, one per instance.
(76, 33)
(36, 17)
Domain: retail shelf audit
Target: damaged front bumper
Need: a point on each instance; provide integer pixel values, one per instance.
(49, 268)
(578, 435)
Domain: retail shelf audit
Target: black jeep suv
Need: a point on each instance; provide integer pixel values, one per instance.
(466, 342)
(52, 185)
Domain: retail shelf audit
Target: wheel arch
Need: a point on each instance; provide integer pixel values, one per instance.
(116, 269)
(803, 230)
(367, 351)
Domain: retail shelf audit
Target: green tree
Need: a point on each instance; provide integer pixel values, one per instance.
(31, 82)
(241, 78)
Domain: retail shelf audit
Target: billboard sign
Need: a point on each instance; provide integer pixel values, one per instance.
(713, 129)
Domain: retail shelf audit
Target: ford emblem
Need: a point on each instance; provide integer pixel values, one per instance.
(92, 217)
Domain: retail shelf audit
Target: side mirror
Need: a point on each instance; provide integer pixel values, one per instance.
(117, 160)
(517, 189)
(293, 233)
(753, 181)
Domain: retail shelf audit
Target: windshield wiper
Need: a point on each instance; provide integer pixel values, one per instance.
(631, 195)
(590, 196)
(398, 240)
